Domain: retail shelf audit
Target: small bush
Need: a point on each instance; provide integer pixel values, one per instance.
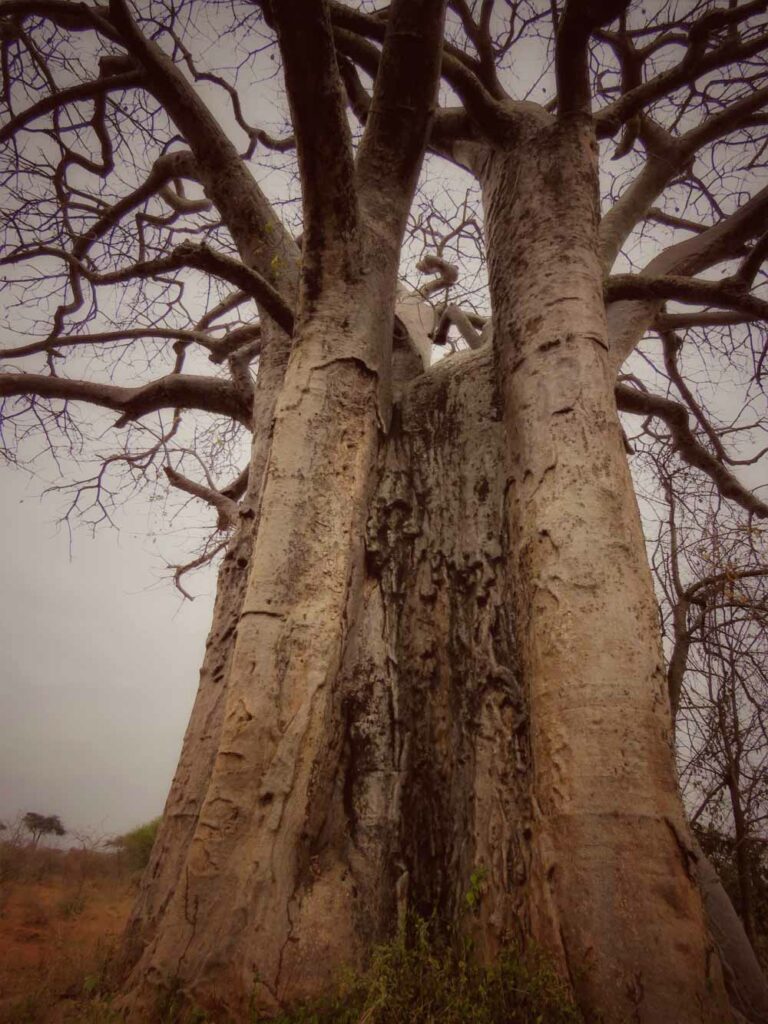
(421, 982)
(73, 985)
(136, 846)
(34, 914)
(27, 864)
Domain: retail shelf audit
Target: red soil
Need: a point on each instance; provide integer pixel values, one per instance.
(55, 939)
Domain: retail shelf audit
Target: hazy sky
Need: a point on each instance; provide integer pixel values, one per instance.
(99, 666)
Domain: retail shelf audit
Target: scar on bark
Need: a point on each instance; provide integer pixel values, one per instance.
(687, 855)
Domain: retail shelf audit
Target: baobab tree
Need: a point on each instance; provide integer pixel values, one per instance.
(435, 644)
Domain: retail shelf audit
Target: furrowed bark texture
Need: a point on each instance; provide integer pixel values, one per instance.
(382, 783)
(612, 890)
(201, 741)
(438, 651)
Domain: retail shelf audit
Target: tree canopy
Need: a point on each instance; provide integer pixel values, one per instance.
(130, 285)
(39, 825)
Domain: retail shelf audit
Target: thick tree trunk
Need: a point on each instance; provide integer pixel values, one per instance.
(612, 890)
(202, 738)
(362, 743)
(382, 786)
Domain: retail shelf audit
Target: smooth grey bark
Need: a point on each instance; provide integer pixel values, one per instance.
(611, 883)
(744, 977)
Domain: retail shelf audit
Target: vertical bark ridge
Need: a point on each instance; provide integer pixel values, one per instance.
(612, 891)
(202, 736)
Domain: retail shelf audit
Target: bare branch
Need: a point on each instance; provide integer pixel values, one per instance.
(197, 563)
(227, 509)
(696, 63)
(629, 320)
(675, 416)
(579, 20)
(728, 294)
(317, 99)
(175, 391)
(74, 94)
(404, 100)
(490, 114)
(262, 241)
(56, 344)
(187, 254)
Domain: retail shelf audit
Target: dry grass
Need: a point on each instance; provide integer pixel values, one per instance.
(60, 916)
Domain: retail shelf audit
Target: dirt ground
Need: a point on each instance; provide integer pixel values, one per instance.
(57, 936)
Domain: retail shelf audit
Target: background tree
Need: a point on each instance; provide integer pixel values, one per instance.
(435, 645)
(711, 564)
(39, 825)
(137, 844)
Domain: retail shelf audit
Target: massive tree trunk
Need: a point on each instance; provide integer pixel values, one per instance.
(382, 782)
(438, 654)
(435, 653)
(611, 882)
(441, 656)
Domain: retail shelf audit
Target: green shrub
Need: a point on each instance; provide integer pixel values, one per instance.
(137, 845)
(422, 982)
(73, 904)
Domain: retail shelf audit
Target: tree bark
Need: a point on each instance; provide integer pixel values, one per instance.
(202, 737)
(382, 785)
(744, 977)
(412, 592)
(611, 891)
(444, 660)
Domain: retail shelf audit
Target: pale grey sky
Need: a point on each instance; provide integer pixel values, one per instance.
(98, 670)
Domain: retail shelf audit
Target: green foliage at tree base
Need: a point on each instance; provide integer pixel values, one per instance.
(420, 981)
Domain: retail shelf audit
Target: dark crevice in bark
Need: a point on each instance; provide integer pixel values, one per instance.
(421, 781)
(446, 719)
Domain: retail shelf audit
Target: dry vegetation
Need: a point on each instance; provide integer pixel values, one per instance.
(61, 913)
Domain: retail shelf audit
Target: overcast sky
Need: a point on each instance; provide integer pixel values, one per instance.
(99, 666)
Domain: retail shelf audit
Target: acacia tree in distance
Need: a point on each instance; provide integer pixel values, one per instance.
(435, 643)
(39, 825)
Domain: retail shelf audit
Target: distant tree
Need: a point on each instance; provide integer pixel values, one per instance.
(40, 825)
(137, 844)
